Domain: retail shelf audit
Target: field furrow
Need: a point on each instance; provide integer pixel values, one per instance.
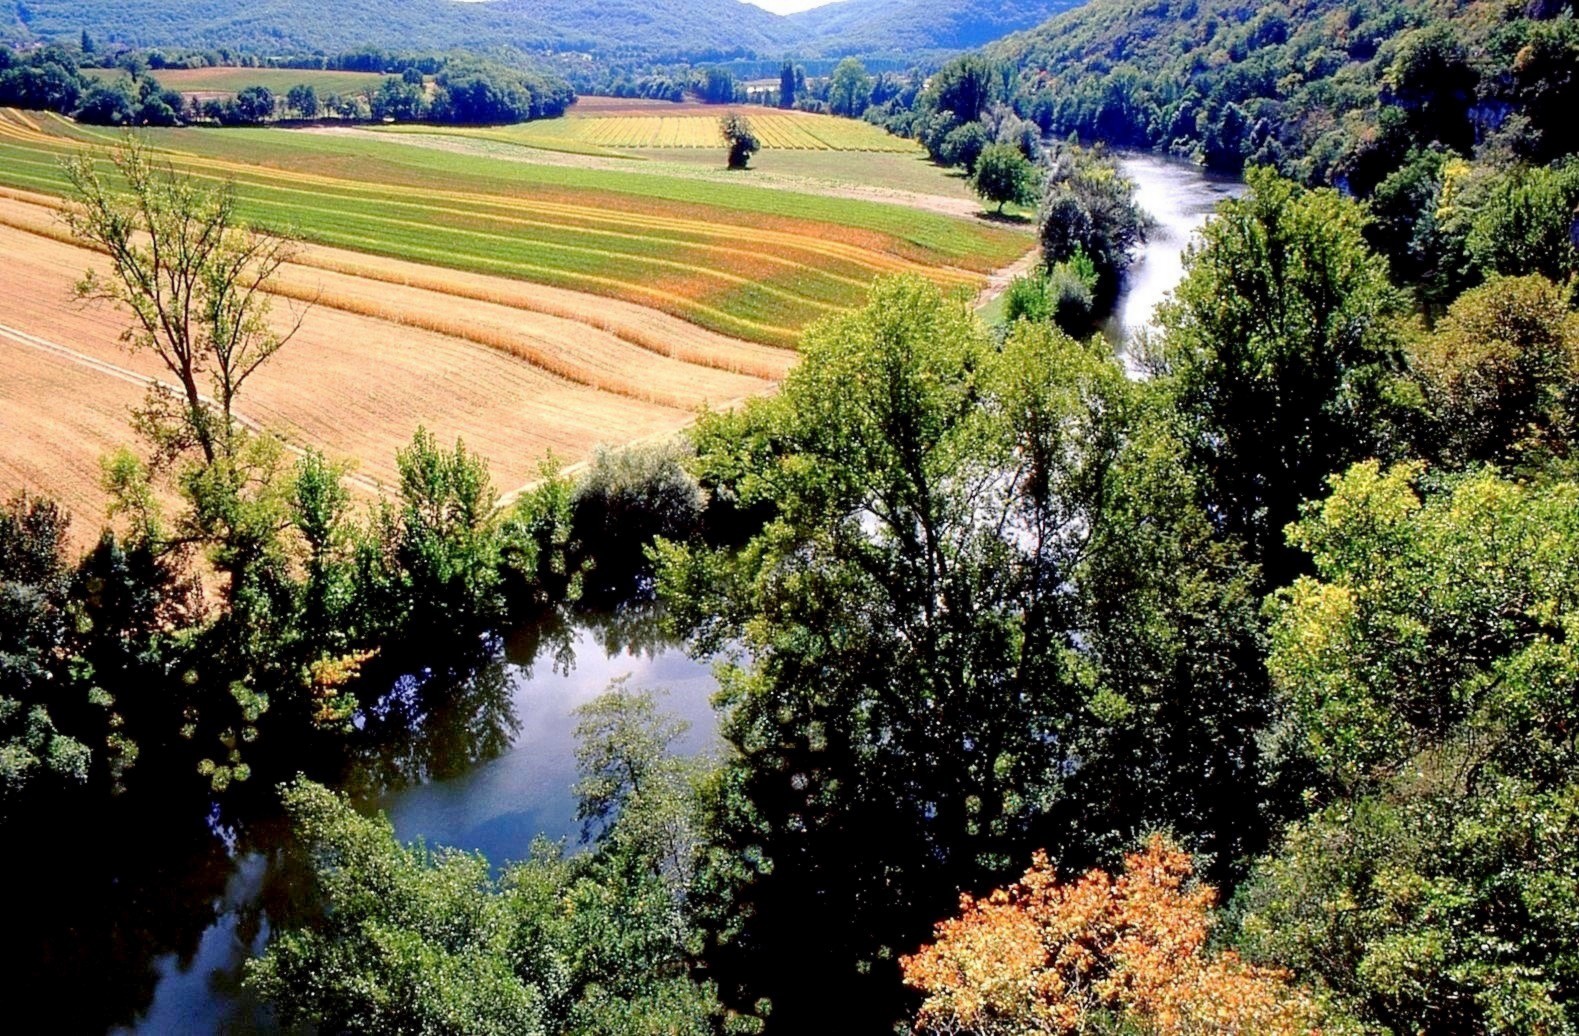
(354, 386)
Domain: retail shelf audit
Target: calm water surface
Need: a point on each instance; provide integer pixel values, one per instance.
(488, 774)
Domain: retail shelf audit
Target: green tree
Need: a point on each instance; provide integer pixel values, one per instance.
(254, 104)
(399, 101)
(1427, 674)
(1525, 223)
(967, 620)
(787, 86)
(849, 89)
(194, 277)
(1278, 350)
(1499, 374)
(303, 100)
(1004, 175)
(740, 138)
(1089, 209)
(34, 626)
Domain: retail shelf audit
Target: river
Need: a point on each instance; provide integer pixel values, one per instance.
(151, 936)
(1178, 196)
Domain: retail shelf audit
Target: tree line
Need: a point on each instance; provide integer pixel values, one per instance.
(463, 90)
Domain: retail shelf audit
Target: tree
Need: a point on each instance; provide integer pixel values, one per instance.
(787, 86)
(849, 89)
(1101, 954)
(399, 101)
(107, 105)
(740, 138)
(974, 617)
(1004, 175)
(1426, 672)
(1089, 209)
(34, 688)
(1525, 224)
(195, 279)
(1499, 375)
(965, 87)
(1278, 350)
(253, 105)
(963, 145)
(303, 100)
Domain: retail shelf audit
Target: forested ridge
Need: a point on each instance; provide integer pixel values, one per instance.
(697, 29)
(1327, 91)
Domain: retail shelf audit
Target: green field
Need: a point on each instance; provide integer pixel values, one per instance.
(747, 261)
(279, 80)
(233, 80)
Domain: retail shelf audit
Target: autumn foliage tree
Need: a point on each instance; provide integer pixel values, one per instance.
(1100, 954)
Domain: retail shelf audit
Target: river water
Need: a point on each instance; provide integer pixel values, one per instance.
(152, 938)
(1179, 196)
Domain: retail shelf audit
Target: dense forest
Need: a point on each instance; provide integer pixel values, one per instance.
(1326, 91)
(606, 29)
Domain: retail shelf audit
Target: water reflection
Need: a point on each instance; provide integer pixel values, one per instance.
(498, 807)
(137, 925)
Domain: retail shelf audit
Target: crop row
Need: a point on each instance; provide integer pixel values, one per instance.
(761, 282)
(798, 132)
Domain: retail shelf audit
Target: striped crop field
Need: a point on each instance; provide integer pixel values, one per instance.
(749, 262)
(525, 307)
(694, 128)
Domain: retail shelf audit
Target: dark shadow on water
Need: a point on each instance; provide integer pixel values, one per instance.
(138, 916)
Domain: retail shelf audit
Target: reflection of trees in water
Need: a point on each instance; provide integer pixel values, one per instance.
(96, 905)
(435, 722)
(91, 908)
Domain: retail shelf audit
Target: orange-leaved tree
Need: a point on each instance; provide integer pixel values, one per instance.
(1101, 954)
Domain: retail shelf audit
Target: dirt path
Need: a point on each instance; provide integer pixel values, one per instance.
(998, 282)
(964, 208)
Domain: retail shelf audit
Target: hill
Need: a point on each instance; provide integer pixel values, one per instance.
(1327, 90)
(691, 29)
(883, 27)
(276, 26)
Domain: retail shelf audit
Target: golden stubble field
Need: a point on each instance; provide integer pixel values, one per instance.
(516, 370)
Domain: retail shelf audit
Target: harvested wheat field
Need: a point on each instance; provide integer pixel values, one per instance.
(52, 448)
(514, 383)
